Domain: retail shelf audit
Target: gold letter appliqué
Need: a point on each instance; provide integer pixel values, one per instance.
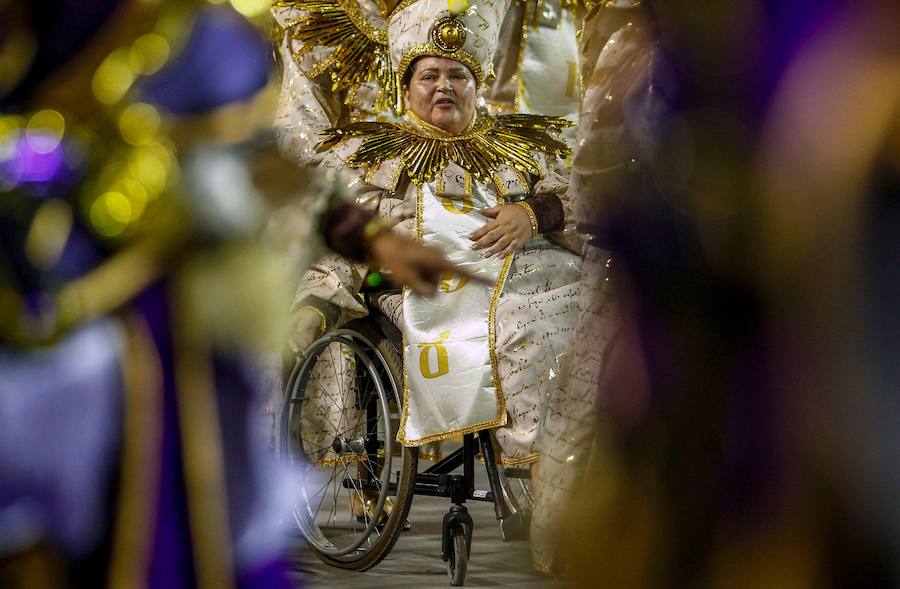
(451, 205)
(443, 362)
(447, 282)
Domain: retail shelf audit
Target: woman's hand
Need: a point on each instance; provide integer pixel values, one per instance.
(509, 229)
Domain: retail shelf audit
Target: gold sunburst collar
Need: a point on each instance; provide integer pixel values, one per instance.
(360, 48)
(488, 143)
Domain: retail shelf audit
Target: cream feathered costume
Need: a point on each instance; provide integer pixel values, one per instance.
(476, 356)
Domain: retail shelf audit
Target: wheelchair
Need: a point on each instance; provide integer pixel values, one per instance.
(353, 505)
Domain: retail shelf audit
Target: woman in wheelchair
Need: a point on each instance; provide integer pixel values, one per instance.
(483, 352)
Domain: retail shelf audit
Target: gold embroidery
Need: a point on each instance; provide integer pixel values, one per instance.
(448, 34)
(505, 188)
(420, 206)
(370, 174)
(532, 218)
(396, 171)
(523, 181)
(443, 360)
(521, 461)
(498, 184)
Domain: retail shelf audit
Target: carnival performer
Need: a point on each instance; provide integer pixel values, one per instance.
(136, 297)
(615, 49)
(481, 188)
(336, 70)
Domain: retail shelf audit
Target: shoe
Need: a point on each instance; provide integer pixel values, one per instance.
(369, 507)
(515, 527)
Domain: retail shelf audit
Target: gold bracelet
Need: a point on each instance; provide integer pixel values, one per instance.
(323, 323)
(375, 227)
(372, 229)
(531, 216)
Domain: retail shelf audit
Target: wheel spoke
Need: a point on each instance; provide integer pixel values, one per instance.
(352, 412)
(322, 488)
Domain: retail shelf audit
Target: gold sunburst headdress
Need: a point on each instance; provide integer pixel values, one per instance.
(360, 47)
(424, 151)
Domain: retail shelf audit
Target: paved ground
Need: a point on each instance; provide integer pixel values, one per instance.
(415, 561)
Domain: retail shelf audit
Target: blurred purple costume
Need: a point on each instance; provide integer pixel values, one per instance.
(75, 473)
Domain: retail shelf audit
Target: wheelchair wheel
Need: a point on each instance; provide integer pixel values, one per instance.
(458, 559)
(519, 481)
(357, 482)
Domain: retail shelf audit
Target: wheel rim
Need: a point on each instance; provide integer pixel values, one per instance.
(324, 509)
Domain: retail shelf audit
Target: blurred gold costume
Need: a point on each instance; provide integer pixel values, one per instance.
(614, 50)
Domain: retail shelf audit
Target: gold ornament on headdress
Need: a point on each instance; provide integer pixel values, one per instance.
(360, 49)
(489, 143)
(448, 35)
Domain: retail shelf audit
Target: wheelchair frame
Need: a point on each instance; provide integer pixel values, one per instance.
(439, 480)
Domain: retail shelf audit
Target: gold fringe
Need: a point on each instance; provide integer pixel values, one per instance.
(342, 460)
(492, 141)
(360, 48)
(524, 460)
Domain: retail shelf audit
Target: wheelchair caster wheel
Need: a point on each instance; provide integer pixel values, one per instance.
(458, 559)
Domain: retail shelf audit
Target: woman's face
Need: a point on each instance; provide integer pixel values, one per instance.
(441, 92)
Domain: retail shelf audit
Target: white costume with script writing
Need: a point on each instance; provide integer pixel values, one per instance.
(475, 356)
